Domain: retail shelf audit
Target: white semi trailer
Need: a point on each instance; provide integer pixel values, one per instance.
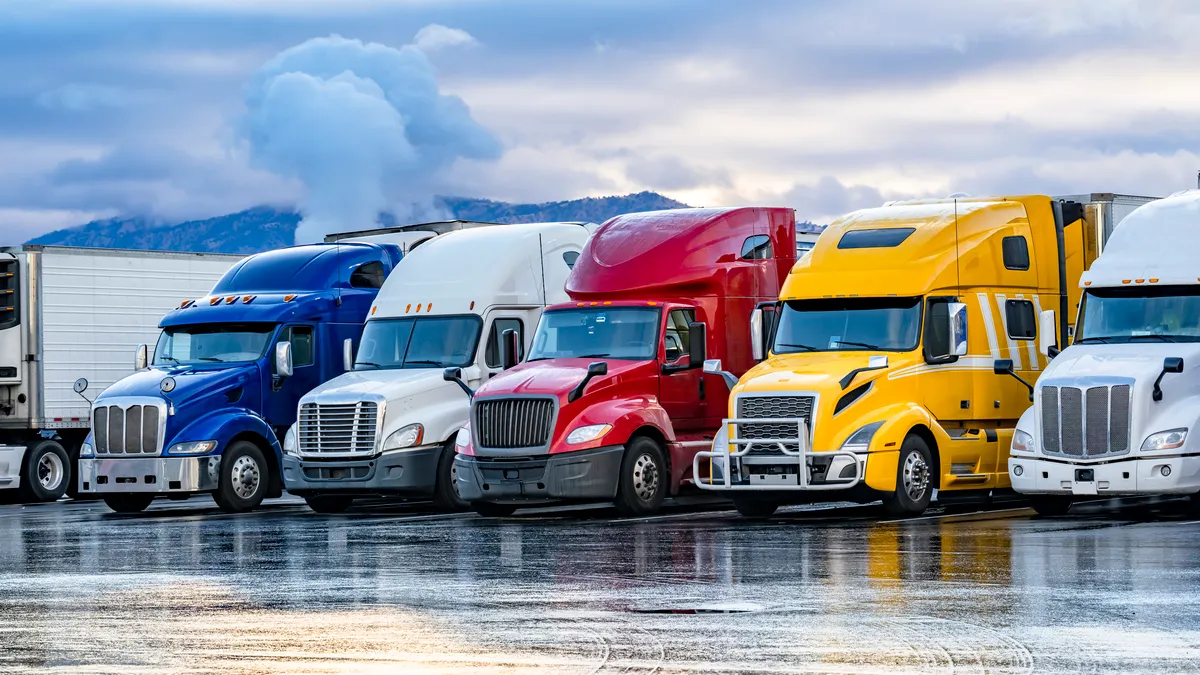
(70, 321)
(1117, 412)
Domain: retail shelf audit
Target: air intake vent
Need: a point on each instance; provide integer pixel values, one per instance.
(1086, 422)
(509, 423)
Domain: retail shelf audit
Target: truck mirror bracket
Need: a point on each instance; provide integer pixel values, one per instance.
(594, 370)
(1005, 367)
(1171, 364)
(713, 367)
(455, 375)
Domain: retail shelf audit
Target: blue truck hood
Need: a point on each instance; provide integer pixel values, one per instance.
(191, 382)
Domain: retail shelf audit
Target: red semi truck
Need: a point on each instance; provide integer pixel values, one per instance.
(611, 402)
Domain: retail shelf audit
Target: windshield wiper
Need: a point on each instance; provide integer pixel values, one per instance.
(804, 347)
(169, 358)
(1098, 338)
(212, 358)
(860, 344)
(1164, 338)
(592, 356)
(435, 364)
(368, 363)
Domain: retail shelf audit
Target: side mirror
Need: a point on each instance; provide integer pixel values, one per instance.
(756, 335)
(1005, 367)
(347, 355)
(510, 348)
(141, 358)
(698, 347)
(957, 330)
(713, 367)
(283, 359)
(1048, 334)
(595, 369)
(455, 375)
(1171, 364)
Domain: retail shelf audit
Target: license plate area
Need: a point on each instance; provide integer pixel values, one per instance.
(1085, 475)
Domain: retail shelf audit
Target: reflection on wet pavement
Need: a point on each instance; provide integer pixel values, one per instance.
(82, 591)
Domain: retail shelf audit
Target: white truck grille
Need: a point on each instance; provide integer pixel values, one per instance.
(338, 429)
(1086, 421)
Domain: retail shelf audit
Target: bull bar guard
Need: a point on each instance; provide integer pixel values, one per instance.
(801, 455)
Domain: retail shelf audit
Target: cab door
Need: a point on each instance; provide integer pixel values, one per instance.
(284, 394)
(681, 391)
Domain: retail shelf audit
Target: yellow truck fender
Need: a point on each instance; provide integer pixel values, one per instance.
(902, 419)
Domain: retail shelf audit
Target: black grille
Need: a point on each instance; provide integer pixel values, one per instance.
(779, 407)
(132, 430)
(514, 422)
(1090, 422)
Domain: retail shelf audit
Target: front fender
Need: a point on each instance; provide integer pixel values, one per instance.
(1179, 413)
(884, 454)
(223, 425)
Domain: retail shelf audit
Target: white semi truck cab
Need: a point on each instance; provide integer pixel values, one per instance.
(1117, 412)
(463, 301)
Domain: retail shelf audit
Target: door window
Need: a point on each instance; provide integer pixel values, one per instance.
(301, 338)
(491, 354)
(1021, 319)
(677, 337)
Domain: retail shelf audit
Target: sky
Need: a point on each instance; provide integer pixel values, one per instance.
(163, 109)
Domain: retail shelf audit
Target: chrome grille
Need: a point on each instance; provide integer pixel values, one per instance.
(779, 407)
(338, 429)
(1086, 421)
(514, 422)
(126, 430)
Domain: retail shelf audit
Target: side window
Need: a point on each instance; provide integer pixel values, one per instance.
(677, 338)
(10, 307)
(937, 331)
(1016, 253)
(491, 353)
(1021, 319)
(369, 275)
(570, 257)
(757, 247)
(301, 338)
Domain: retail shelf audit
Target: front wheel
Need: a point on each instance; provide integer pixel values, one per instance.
(445, 488)
(914, 480)
(491, 510)
(642, 485)
(128, 503)
(244, 478)
(45, 473)
(1050, 506)
(754, 508)
(329, 503)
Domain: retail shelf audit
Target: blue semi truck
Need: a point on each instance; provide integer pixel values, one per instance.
(206, 407)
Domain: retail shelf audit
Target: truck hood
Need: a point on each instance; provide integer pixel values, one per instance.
(557, 377)
(386, 384)
(815, 371)
(1140, 361)
(191, 382)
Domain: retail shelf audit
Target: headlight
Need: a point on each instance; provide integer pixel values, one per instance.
(290, 442)
(588, 433)
(86, 450)
(463, 438)
(1166, 440)
(1022, 442)
(860, 440)
(193, 448)
(405, 437)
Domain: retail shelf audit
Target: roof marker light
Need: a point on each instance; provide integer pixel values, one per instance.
(1125, 281)
(584, 303)
(1139, 280)
(214, 301)
(184, 304)
(607, 302)
(373, 310)
(231, 299)
(418, 308)
(408, 308)
(1154, 281)
(652, 303)
(289, 298)
(1087, 283)
(247, 299)
(472, 305)
(429, 308)
(594, 304)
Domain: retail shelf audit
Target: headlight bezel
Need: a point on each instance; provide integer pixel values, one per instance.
(1164, 443)
(860, 440)
(588, 433)
(192, 448)
(405, 438)
(86, 450)
(463, 438)
(1022, 441)
(291, 442)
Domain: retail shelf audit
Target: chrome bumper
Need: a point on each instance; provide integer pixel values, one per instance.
(157, 475)
(800, 480)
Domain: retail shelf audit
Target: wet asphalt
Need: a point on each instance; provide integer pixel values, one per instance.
(397, 589)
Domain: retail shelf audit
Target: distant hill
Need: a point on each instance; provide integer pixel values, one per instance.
(264, 228)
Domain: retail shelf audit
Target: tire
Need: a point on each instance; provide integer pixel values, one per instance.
(491, 510)
(1049, 506)
(45, 473)
(754, 508)
(642, 485)
(445, 487)
(245, 478)
(329, 503)
(914, 479)
(134, 503)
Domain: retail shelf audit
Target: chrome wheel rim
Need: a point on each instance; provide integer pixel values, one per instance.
(915, 476)
(245, 477)
(645, 477)
(50, 471)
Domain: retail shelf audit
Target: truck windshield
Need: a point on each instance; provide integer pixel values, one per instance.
(849, 324)
(427, 342)
(212, 343)
(612, 332)
(1165, 314)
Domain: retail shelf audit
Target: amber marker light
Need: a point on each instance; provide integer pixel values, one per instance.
(289, 298)
(214, 301)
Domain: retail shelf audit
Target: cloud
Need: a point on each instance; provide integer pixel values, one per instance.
(82, 97)
(672, 173)
(363, 126)
(436, 36)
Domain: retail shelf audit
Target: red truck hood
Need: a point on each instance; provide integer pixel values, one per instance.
(557, 377)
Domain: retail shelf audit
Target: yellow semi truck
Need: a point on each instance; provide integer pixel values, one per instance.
(897, 357)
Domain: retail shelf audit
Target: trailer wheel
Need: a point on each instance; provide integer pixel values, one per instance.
(1047, 506)
(490, 510)
(445, 487)
(128, 503)
(328, 503)
(642, 485)
(750, 507)
(914, 480)
(45, 473)
(244, 478)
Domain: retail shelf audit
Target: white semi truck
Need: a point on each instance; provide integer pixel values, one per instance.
(1116, 413)
(467, 301)
(70, 321)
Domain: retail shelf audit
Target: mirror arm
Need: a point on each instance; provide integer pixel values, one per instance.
(466, 389)
(1027, 385)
